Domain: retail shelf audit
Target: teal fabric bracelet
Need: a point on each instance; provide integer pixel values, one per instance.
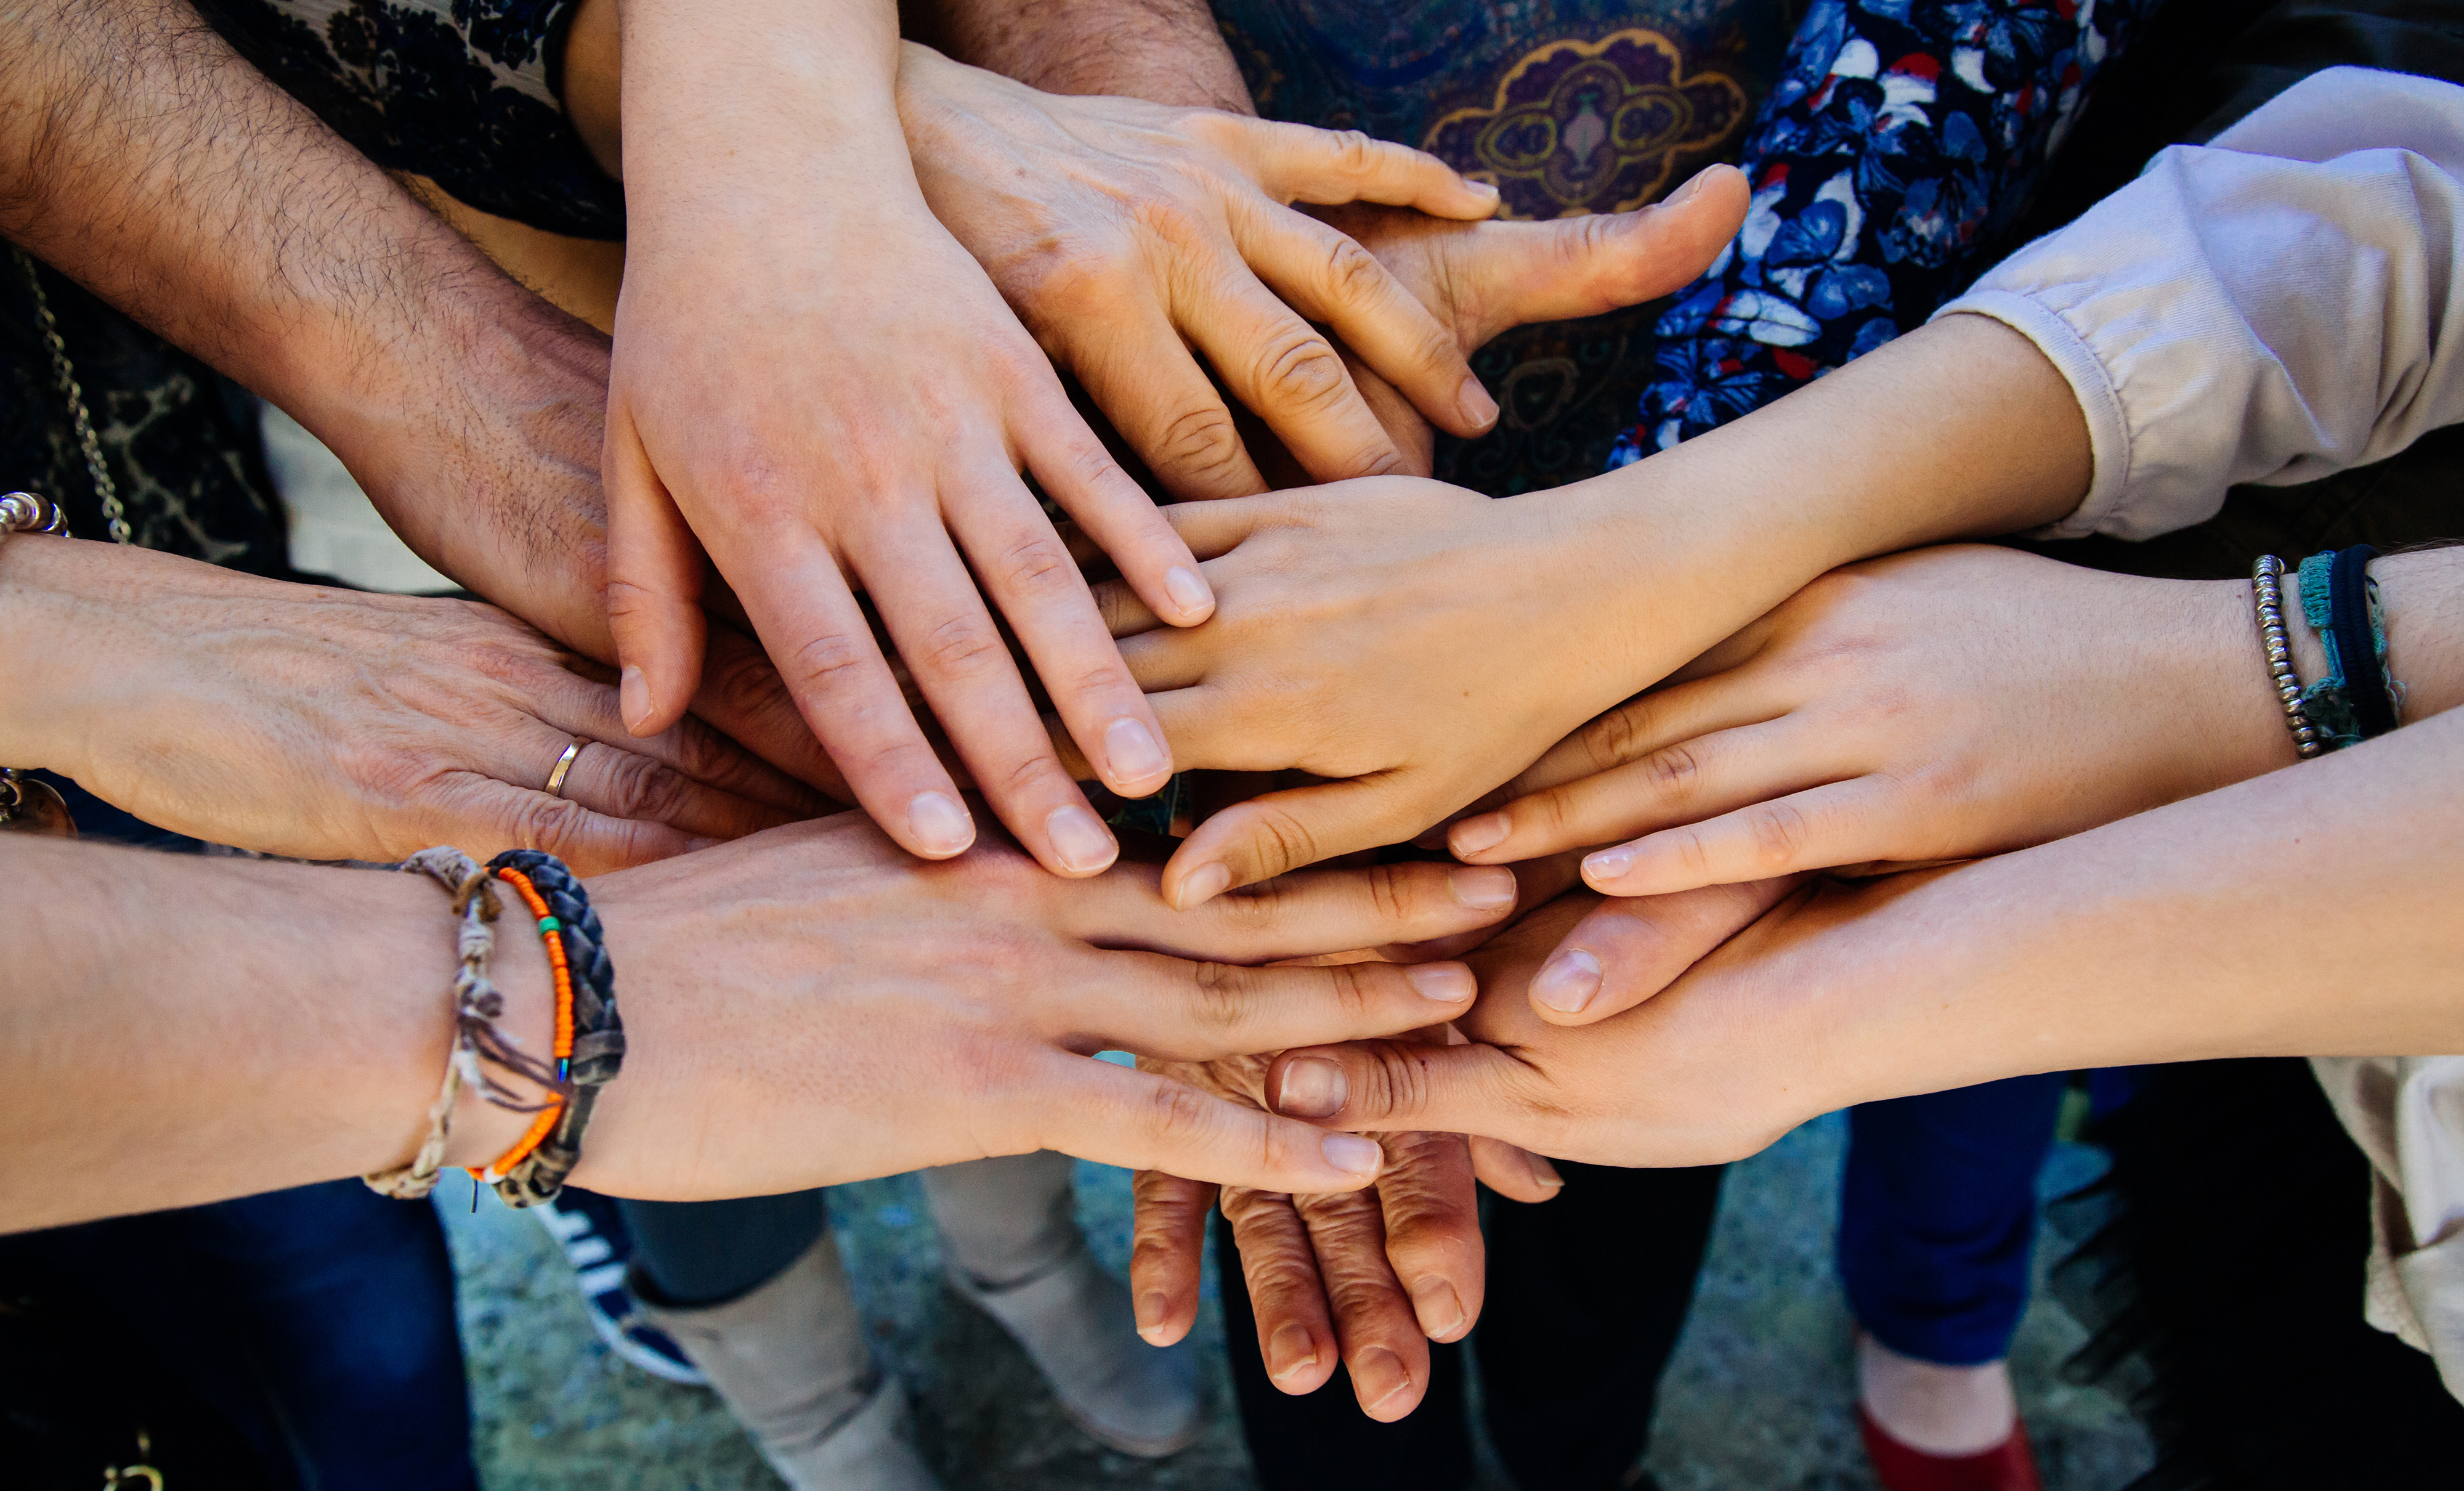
(2329, 703)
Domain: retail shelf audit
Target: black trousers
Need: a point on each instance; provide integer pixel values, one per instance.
(1585, 1296)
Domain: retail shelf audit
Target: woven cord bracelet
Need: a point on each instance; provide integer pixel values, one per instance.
(477, 1007)
(2357, 700)
(590, 1036)
(2266, 601)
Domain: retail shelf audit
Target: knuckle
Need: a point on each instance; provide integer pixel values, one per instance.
(1777, 833)
(825, 665)
(1287, 842)
(1352, 152)
(1202, 443)
(1220, 996)
(1616, 737)
(1298, 368)
(960, 646)
(1038, 561)
(1176, 1114)
(1673, 771)
(1350, 276)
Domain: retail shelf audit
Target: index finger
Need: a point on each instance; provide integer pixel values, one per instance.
(1297, 163)
(1297, 916)
(1140, 1122)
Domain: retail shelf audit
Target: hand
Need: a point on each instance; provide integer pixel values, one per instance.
(489, 469)
(1389, 632)
(1482, 279)
(1370, 1276)
(334, 725)
(813, 380)
(1935, 706)
(812, 1005)
(1133, 238)
(1704, 1047)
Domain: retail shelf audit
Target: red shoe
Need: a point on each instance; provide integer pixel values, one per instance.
(2008, 1466)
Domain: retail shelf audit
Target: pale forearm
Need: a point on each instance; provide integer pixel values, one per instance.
(1958, 430)
(701, 86)
(2311, 912)
(176, 1029)
(1162, 51)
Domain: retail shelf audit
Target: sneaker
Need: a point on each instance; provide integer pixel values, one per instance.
(592, 1234)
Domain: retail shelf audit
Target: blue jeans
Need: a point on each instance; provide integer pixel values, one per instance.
(1938, 1215)
(317, 1322)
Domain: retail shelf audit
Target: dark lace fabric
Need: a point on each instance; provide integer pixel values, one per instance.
(464, 92)
(1566, 108)
(188, 463)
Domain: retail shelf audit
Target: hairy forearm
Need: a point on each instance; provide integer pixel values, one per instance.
(1162, 51)
(2310, 912)
(176, 1029)
(142, 156)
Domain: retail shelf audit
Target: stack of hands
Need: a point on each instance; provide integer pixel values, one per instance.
(1641, 713)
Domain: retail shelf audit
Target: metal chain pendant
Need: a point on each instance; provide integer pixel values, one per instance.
(106, 491)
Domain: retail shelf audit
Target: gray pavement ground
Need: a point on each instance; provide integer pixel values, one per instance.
(1758, 1398)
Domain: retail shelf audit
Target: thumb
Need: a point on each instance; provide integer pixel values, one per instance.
(1281, 832)
(1521, 273)
(1630, 948)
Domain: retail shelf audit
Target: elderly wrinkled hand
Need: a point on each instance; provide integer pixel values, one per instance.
(1365, 1277)
(326, 724)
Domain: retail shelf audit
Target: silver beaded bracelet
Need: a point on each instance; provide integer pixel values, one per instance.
(2267, 595)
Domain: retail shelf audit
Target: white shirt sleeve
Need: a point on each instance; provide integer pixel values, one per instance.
(2277, 306)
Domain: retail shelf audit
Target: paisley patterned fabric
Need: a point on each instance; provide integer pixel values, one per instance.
(462, 91)
(187, 466)
(1904, 138)
(1566, 108)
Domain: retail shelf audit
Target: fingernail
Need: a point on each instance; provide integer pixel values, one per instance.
(1481, 188)
(1473, 834)
(1609, 864)
(1378, 1374)
(693, 844)
(1201, 885)
(1080, 841)
(1479, 409)
(1439, 1309)
(1152, 1307)
(633, 699)
(1354, 1155)
(1447, 983)
(1543, 1173)
(1289, 1350)
(1485, 889)
(1188, 589)
(939, 824)
(1313, 1088)
(1136, 755)
(1688, 192)
(1569, 981)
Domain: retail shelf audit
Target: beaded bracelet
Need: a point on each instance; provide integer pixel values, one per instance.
(2267, 598)
(590, 1036)
(477, 1006)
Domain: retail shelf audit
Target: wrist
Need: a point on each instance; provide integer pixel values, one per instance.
(48, 668)
(518, 966)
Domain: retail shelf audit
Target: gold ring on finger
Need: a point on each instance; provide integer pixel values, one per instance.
(564, 764)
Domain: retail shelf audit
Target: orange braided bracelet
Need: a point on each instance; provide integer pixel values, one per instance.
(545, 1123)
